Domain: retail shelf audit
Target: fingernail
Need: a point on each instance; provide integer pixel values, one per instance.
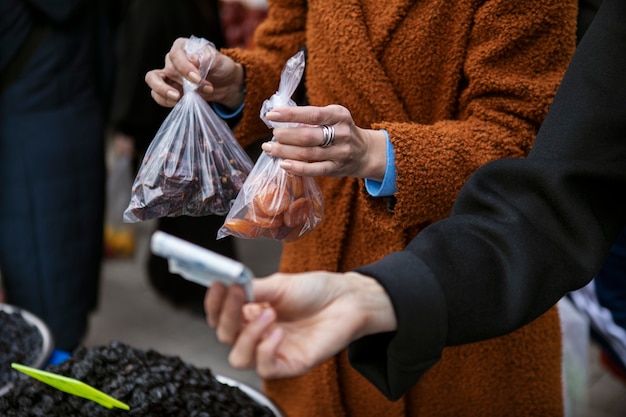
(286, 165)
(252, 311)
(194, 76)
(272, 114)
(267, 147)
(207, 89)
(173, 94)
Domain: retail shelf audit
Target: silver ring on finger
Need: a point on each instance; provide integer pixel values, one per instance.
(328, 135)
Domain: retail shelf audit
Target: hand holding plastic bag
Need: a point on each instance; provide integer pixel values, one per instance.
(194, 166)
(274, 203)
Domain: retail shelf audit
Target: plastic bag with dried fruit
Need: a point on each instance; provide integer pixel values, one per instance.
(274, 203)
(119, 237)
(194, 166)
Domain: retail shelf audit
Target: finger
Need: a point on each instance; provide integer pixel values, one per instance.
(310, 115)
(252, 311)
(310, 169)
(213, 303)
(183, 64)
(311, 136)
(269, 289)
(339, 150)
(163, 92)
(312, 141)
(300, 153)
(206, 90)
(269, 364)
(164, 101)
(243, 353)
(230, 318)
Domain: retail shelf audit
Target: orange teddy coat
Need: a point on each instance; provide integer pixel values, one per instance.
(455, 83)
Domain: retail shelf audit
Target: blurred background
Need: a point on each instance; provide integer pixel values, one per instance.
(140, 302)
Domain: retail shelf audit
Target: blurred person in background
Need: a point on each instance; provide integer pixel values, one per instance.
(603, 302)
(55, 75)
(240, 19)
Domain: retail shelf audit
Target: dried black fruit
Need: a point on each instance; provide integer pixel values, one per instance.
(151, 384)
(20, 341)
(197, 183)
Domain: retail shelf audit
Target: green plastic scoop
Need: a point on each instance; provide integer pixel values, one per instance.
(71, 386)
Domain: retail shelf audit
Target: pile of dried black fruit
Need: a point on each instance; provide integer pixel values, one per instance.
(152, 385)
(20, 341)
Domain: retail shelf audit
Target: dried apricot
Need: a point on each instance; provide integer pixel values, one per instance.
(272, 232)
(295, 185)
(262, 220)
(271, 199)
(297, 213)
(242, 228)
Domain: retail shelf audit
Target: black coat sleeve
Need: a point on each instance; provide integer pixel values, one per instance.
(523, 232)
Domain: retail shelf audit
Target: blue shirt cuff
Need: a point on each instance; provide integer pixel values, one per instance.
(226, 113)
(388, 186)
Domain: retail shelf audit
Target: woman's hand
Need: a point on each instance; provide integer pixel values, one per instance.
(297, 320)
(354, 152)
(224, 83)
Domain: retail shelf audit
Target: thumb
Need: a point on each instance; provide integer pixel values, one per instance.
(268, 289)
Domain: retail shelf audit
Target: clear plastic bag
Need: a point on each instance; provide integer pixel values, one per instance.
(575, 366)
(274, 203)
(194, 166)
(119, 237)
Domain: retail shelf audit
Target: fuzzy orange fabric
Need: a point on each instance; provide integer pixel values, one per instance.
(456, 84)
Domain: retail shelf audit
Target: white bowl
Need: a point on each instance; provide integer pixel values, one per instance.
(46, 336)
(252, 393)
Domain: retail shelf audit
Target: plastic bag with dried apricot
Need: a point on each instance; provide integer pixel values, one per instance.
(274, 203)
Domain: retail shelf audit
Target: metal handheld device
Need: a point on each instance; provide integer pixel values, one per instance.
(198, 264)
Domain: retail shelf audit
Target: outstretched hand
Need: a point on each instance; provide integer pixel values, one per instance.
(297, 320)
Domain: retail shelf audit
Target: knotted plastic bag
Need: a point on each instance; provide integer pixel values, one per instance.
(194, 166)
(274, 203)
